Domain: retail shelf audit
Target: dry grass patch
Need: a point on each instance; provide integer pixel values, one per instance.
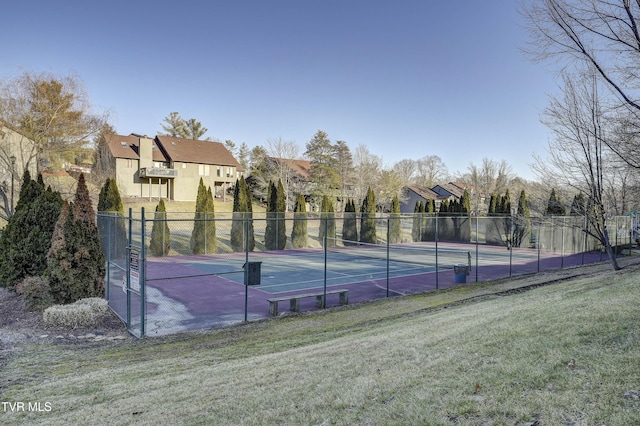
(561, 354)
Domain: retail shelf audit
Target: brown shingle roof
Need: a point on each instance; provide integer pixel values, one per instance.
(192, 151)
(300, 167)
(128, 146)
(425, 192)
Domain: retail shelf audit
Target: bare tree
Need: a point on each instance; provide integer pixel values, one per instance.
(282, 154)
(406, 170)
(577, 154)
(605, 35)
(367, 167)
(430, 171)
(491, 177)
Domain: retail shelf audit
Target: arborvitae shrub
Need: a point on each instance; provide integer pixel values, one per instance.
(160, 242)
(299, 232)
(395, 227)
(368, 219)
(350, 224)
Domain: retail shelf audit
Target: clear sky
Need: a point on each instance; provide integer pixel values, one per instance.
(406, 78)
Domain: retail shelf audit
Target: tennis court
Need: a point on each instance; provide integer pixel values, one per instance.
(182, 291)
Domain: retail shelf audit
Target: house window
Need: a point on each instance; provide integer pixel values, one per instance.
(184, 165)
(219, 172)
(160, 165)
(203, 169)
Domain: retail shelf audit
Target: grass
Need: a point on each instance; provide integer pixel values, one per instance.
(560, 354)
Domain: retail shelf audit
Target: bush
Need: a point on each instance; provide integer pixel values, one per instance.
(83, 313)
(36, 292)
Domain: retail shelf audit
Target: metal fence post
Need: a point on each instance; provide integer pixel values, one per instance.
(246, 268)
(128, 270)
(108, 280)
(143, 275)
(324, 243)
(437, 271)
(388, 252)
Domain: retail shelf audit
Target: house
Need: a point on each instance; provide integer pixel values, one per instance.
(169, 167)
(412, 194)
(17, 154)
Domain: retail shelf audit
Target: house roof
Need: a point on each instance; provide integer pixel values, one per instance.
(302, 168)
(424, 192)
(193, 151)
(128, 147)
(167, 148)
(449, 189)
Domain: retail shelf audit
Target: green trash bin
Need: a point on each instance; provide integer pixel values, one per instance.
(253, 272)
(460, 273)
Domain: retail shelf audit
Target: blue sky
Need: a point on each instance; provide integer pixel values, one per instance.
(405, 78)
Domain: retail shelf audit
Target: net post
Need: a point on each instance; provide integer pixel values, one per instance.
(388, 252)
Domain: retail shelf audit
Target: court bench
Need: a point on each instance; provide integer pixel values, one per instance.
(294, 300)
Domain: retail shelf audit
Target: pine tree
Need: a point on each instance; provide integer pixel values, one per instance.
(280, 211)
(160, 233)
(111, 222)
(349, 224)
(368, 219)
(203, 239)
(416, 231)
(211, 241)
(76, 265)
(25, 241)
(578, 206)
(242, 212)
(522, 226)
(554, 206)
(299, 232)
(395, 227)
(327, 222)
(270, 229)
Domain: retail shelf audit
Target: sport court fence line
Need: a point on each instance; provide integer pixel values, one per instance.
(173, 272)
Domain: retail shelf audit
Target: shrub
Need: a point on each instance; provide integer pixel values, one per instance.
(36, 292)
(83, 313)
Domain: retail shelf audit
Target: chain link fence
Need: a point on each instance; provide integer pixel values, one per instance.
(169, 272)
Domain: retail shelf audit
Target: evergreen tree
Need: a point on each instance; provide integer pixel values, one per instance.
(280, 212)
(554, 206)
(492, 204)
(416, 231)
(203, 236)
(76, 265)
(522, 228)
(211, 242)
(578, 206)
(160, 233)
(328, 222)
(395, 227)
(242, 212)
(349, 224)
(299, 232)
(270, 237)
(111, 222)
(26, 238)
(368, 219)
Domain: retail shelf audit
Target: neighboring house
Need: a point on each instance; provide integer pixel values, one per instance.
(450, 191)
(168, 167)
(294, 175)
(412, 194)
(17, 154)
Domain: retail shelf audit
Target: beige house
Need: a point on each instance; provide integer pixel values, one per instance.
(168, 167)
(17, 154)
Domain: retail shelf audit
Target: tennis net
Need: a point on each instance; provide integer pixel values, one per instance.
(400, 253)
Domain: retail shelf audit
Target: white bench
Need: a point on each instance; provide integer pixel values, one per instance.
(294, 300)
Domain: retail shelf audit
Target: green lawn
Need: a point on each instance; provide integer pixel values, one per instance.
(567, 353)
